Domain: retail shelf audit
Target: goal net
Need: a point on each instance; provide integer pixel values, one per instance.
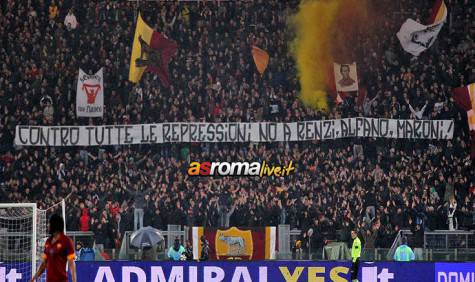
(23, 233)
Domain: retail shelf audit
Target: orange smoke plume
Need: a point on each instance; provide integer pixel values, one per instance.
(326, 31)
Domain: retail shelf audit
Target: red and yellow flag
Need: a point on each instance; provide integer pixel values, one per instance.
(439, 12)
(464, 98)
(151, 51)
(261, 59)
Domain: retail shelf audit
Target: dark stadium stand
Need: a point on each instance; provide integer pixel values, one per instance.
(378, 186)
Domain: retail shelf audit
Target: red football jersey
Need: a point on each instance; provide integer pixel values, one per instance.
(56, 255)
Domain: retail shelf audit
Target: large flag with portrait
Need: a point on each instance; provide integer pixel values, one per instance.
(90, 94)
(346, 77)
(415, 37)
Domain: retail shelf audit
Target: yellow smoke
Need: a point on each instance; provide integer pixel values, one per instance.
(324, 30)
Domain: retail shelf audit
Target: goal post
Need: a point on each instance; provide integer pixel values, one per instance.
(18, 239)
(63, 213)
(23, 233)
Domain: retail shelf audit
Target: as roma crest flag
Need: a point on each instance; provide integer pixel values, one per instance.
(261, 59)
(464, 98)
(244, 243)
(151, 51)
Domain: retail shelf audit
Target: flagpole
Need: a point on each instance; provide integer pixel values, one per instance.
(137, 7)
(450, 22)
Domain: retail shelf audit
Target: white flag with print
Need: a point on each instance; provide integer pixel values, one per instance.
(90, 94)
(415, 38)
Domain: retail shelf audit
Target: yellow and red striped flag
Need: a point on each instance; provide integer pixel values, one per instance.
(151, 51)
(439, 12)
(464, 98)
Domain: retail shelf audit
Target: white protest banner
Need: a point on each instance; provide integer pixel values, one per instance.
(90, 94)
(415, 38)
(232, 132)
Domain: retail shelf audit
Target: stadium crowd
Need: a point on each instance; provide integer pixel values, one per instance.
(378, 186)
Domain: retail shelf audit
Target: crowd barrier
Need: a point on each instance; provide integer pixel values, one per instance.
(262, 271)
